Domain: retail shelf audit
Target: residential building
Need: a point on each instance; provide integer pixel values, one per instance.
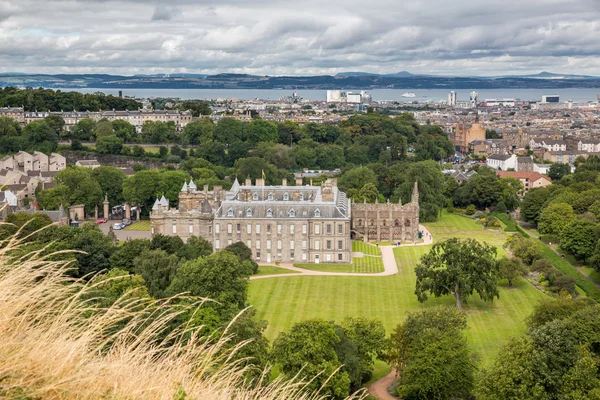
(502, 162)
(464, 135)
(530, 180)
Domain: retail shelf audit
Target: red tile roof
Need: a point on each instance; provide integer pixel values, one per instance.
(532, 176)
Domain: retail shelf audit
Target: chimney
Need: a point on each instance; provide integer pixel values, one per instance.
(299, 180)
(310, 181)
(248, 181)
(284, 182)
(260, 182)
(206, 189)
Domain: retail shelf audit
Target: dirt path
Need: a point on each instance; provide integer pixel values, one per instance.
(378, 389)
(387, 254)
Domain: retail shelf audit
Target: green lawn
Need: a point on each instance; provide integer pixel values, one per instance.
(365, 248)
(287, 300)
(366, 264)
(139, 226)
(270, 270)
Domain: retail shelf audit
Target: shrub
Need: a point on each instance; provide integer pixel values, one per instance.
(470, 210)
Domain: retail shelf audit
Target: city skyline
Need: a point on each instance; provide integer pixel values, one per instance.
(277, 38)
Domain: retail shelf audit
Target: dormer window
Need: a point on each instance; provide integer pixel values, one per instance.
(269, 213)
(301, 196)
(270, 197)
(249, 212)
(292, 213)
(230, 212)
(317, 213)
(286, 197)
(255, 196)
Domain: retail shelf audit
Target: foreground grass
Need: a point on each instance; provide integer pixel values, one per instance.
(366, 264)
(287, 300)
(138, 226)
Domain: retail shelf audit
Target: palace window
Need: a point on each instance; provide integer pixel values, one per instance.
(292, 213)
(317, 229)
(229, 228)
(340, 228)
(292, 229)
(248, 228)
(328, 229)
(340, 257)
(255, 196)
(317, 213)
(217, 244)
(286, 196)
(249, 212)
(301, 196)
(257, 228)
(269, 213)
(340, 244)
(230, 212)
(268, 244)
(270, 197)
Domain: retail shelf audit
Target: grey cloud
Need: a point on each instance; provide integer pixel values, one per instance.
(280, 37)
(164, 13)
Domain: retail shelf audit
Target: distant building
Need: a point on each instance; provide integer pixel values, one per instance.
(341, 96)
(550, 99)
(465, 135)
(502, 162)
(530, 180)
(88, 163)
(452, 98)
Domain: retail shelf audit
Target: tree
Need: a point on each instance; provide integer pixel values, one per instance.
(197, 107)
(142, 188)
(261, 131)
(308, 350)
(558, 170)
(243, 253)
(84, 129)
(431, 355)
(370, 340)
(110, 180)
(53, 198)
(528, 250)
(9, 127)
(511, 269)
(458, 267)
(229, 130)
(170, 244)
(103, 128)
(158, 132)
(198, 132)
(356, 178)
(125, 131)
(533, 203)
(195, 247)
(127, 252)
(94, 249)
(157, 268)
(554, 218)
(220, 277)
(109, 144)
(368, 193)
(579, 238)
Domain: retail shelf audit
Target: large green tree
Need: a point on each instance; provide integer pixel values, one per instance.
(458, 267)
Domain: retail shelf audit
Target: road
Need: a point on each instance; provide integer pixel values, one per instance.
(123, 235)
(379, 388)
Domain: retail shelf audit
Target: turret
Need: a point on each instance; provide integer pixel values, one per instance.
(184, 188)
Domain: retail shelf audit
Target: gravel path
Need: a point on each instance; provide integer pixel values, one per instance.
(379, 388)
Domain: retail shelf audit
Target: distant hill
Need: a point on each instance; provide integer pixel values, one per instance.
(345, 80)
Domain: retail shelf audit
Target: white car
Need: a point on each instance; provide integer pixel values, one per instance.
(117, 227)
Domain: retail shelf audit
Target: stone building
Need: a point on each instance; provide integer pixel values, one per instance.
(392, 222)
(464, 134)
(306, 224)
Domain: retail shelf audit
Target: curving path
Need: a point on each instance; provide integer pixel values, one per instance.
(387, 254)
(379, 388)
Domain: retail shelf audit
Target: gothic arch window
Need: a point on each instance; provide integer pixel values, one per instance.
(286, 196)
(372, 222)
(249, 212)
(396, 223)
(360, 222)
(269, 213)
(384, 223)
(292, 213)
(230, 212)
(407, 222)
(270, 197)
(255, 196)
(317, 213)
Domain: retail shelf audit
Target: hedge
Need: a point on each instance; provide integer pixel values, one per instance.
(523, 231)
(568, 269)
(511, 224)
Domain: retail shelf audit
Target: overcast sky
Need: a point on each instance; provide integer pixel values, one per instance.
(458, 37)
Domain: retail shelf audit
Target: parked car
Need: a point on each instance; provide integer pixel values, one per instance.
(101, 221)
(118, 227)
(126, 222)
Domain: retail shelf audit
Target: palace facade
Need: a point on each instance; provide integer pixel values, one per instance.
(291, 224)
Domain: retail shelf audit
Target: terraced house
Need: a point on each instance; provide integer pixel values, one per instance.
(309, 224)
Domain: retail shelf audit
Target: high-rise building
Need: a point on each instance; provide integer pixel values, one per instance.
(474, 98)
(452, 98)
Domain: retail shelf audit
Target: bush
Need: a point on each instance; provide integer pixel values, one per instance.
(470, 210)
(450, 207)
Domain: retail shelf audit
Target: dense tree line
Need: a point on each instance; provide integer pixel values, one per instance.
(41, 99)
(567, 211)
